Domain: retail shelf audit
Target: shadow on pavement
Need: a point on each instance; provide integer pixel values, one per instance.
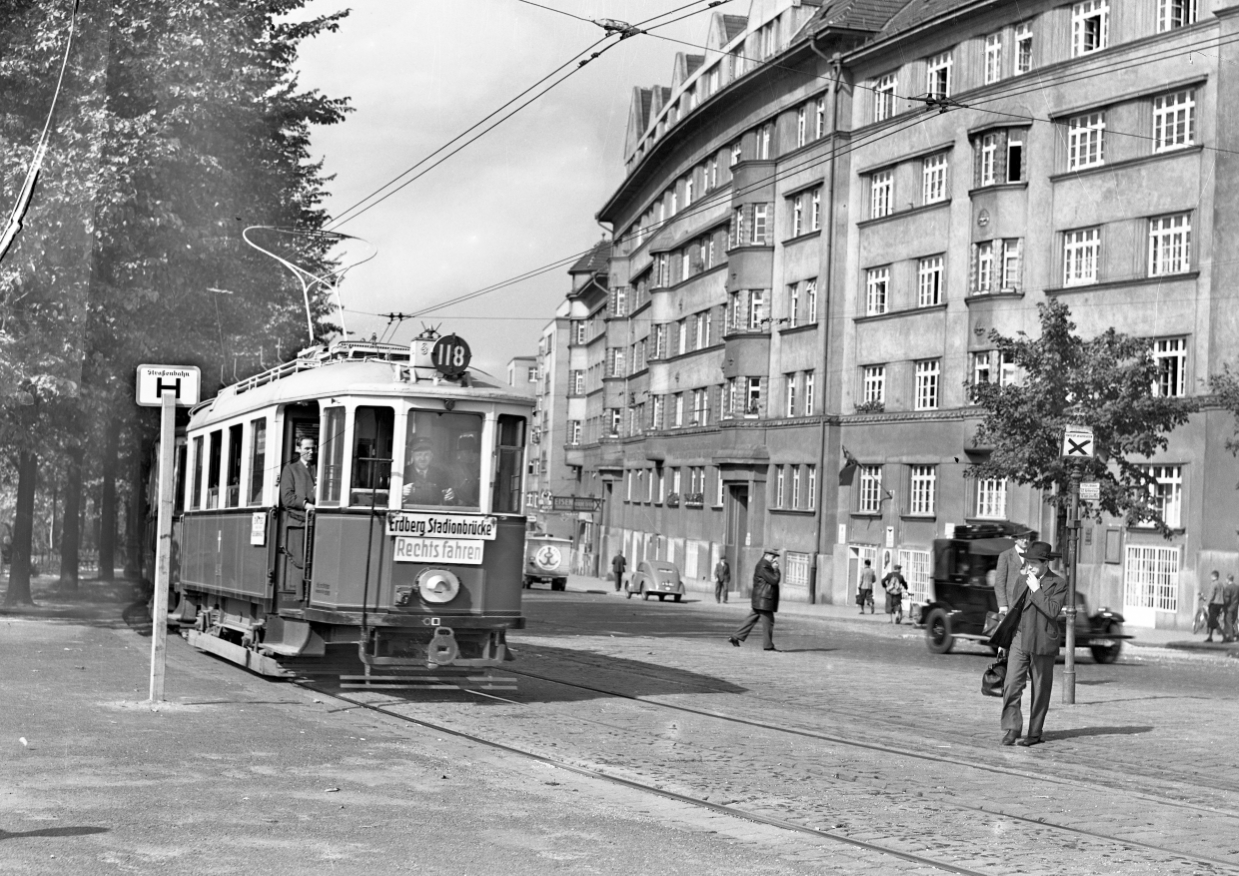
(52, 832)
(1097, 731)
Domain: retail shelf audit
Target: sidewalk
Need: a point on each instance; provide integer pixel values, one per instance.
(1181, 640)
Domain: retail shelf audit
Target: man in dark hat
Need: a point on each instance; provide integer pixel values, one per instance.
(424, 482)
(1038, 595)
(766, 578)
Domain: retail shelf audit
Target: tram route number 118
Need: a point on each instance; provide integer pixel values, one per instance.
(451, 355)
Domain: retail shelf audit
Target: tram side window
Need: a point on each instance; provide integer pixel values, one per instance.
(332, 449)
(233, 482)
(258, 459)
(197, 493)
(510, 456)
(178, 471)
(442, 465)
(372, 446)
(213, 461)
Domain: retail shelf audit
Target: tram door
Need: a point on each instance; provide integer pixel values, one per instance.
(300, 422)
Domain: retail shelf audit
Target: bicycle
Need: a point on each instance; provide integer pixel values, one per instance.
(1201, 620)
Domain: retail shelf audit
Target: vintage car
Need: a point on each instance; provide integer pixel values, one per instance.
(963, 593)
(657, 578)
(547, 560)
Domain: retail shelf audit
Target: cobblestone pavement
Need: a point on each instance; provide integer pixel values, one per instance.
(862, 733)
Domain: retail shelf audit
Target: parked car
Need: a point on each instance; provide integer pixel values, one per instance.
(658, 578)
(963, 592)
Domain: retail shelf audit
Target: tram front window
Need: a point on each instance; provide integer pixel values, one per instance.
(372, 446)
(442, 462)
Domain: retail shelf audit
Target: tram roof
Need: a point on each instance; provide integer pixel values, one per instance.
(347, 368)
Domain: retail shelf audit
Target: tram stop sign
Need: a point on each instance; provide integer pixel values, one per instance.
(186, 380)
(451, 356)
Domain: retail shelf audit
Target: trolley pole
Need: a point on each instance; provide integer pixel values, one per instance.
(163, 551)
(1073, 534)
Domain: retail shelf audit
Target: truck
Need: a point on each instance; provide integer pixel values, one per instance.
(547, 560)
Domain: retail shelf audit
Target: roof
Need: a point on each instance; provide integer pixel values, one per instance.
(596, 261)
(734, 25)
(692, 63)
(919, 11)
(861, 15)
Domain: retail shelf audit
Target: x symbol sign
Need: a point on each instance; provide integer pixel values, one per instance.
(1077, 448)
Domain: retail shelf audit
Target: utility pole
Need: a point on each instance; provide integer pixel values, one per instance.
(1077, 449)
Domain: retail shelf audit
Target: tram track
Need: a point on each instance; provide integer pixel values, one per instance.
(655, 787)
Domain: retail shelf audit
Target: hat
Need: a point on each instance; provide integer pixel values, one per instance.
(898, 568)
(1039, 550)
(768, 551)
(423, 444)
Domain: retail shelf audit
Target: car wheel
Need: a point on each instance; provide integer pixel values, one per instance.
(938, 638)
(677, 597)
(1110, 652)
(645, 593)
(526, 584)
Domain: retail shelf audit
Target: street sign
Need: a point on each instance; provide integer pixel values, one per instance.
(1078, 442)
(575, 503)
(451, 356)
(186, 380)
(1090, 491)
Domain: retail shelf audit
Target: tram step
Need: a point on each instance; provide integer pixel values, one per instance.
(429, 682)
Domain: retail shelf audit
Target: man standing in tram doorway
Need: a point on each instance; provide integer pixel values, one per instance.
(297, 487)
(766, 578)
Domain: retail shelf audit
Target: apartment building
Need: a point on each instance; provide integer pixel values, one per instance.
(824, 216)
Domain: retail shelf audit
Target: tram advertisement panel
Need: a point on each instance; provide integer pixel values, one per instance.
(432, 525)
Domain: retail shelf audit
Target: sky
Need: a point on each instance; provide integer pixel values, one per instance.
(419, 73)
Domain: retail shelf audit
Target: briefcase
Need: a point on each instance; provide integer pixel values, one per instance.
(994, 677)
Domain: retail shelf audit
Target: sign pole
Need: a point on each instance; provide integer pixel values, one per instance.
(1073, 529)
(163, 551)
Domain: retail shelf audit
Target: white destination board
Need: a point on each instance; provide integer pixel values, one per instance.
(186, 380)
(462, 551)
(431, 525)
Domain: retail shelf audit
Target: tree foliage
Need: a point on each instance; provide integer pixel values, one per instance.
(1109, 383)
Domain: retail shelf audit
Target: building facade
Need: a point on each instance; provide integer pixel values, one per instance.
(824, 216)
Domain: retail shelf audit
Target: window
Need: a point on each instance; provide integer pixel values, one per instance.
(1170, 354)
(992, 498)
(982, 367)
(815, 210)
(796, 486)
(798, 215)
(759, 224)
(701, 409)
(917, 570)
(1166, 492)
(441, 457)
(675, 201)
(1085, 147)
(938, 76)
(1172, 14)
(713, 183)
(578, 333)
(332, 453)
(870, 501)
(993, 58)
(737, 152)
(1023, 48)
(1090, 26)
(819, 116)
(1080, 256)
(933, 178)
(718, 486)
(1151, 577)
(927, 385)
(1170, 244)
(197, 488)
(372, 455)
(615, 418)
(660, 341)
(678, 413)
(764, 135)
(793, 304)
(578, 383)
(780, 479)
(1006, 369)
(730, 393)
(876, 282)
(757, 307)
(884, 98)
(232, 482)
(989, 150)
(873, 386)
(923, 484)
(656, 412)
(790, 381)
(1012, 263)
(258, 458)
(703, 330)
(1015, 157)
(985, 268)
(810, 294)
(734, 316)
(509, 459)
(752, 396)
(688, 190)
(812, 486)
(880, 191)
(809, 381)
(681, 346)
(1174, 120)
(929, 281)
(802, 125)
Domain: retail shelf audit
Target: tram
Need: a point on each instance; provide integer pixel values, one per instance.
(406, 570)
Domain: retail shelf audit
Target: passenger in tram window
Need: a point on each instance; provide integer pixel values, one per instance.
(425, 482)
(468, 468)
(297, 487)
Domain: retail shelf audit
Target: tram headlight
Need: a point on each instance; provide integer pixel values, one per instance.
(438, 585)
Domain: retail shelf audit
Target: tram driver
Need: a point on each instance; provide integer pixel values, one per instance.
(425, 482)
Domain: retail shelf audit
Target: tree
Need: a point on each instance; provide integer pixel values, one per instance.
(1108, 383)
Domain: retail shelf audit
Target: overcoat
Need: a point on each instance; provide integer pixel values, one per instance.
(766, 580)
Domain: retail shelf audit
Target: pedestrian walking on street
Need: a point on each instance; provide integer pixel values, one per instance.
(766, 579)
(722, 580)
(1038, 596)
(864, 590)
(1010, 563)
(1230, 610)
(895, 586)
(618, 565)
(1217, 602)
